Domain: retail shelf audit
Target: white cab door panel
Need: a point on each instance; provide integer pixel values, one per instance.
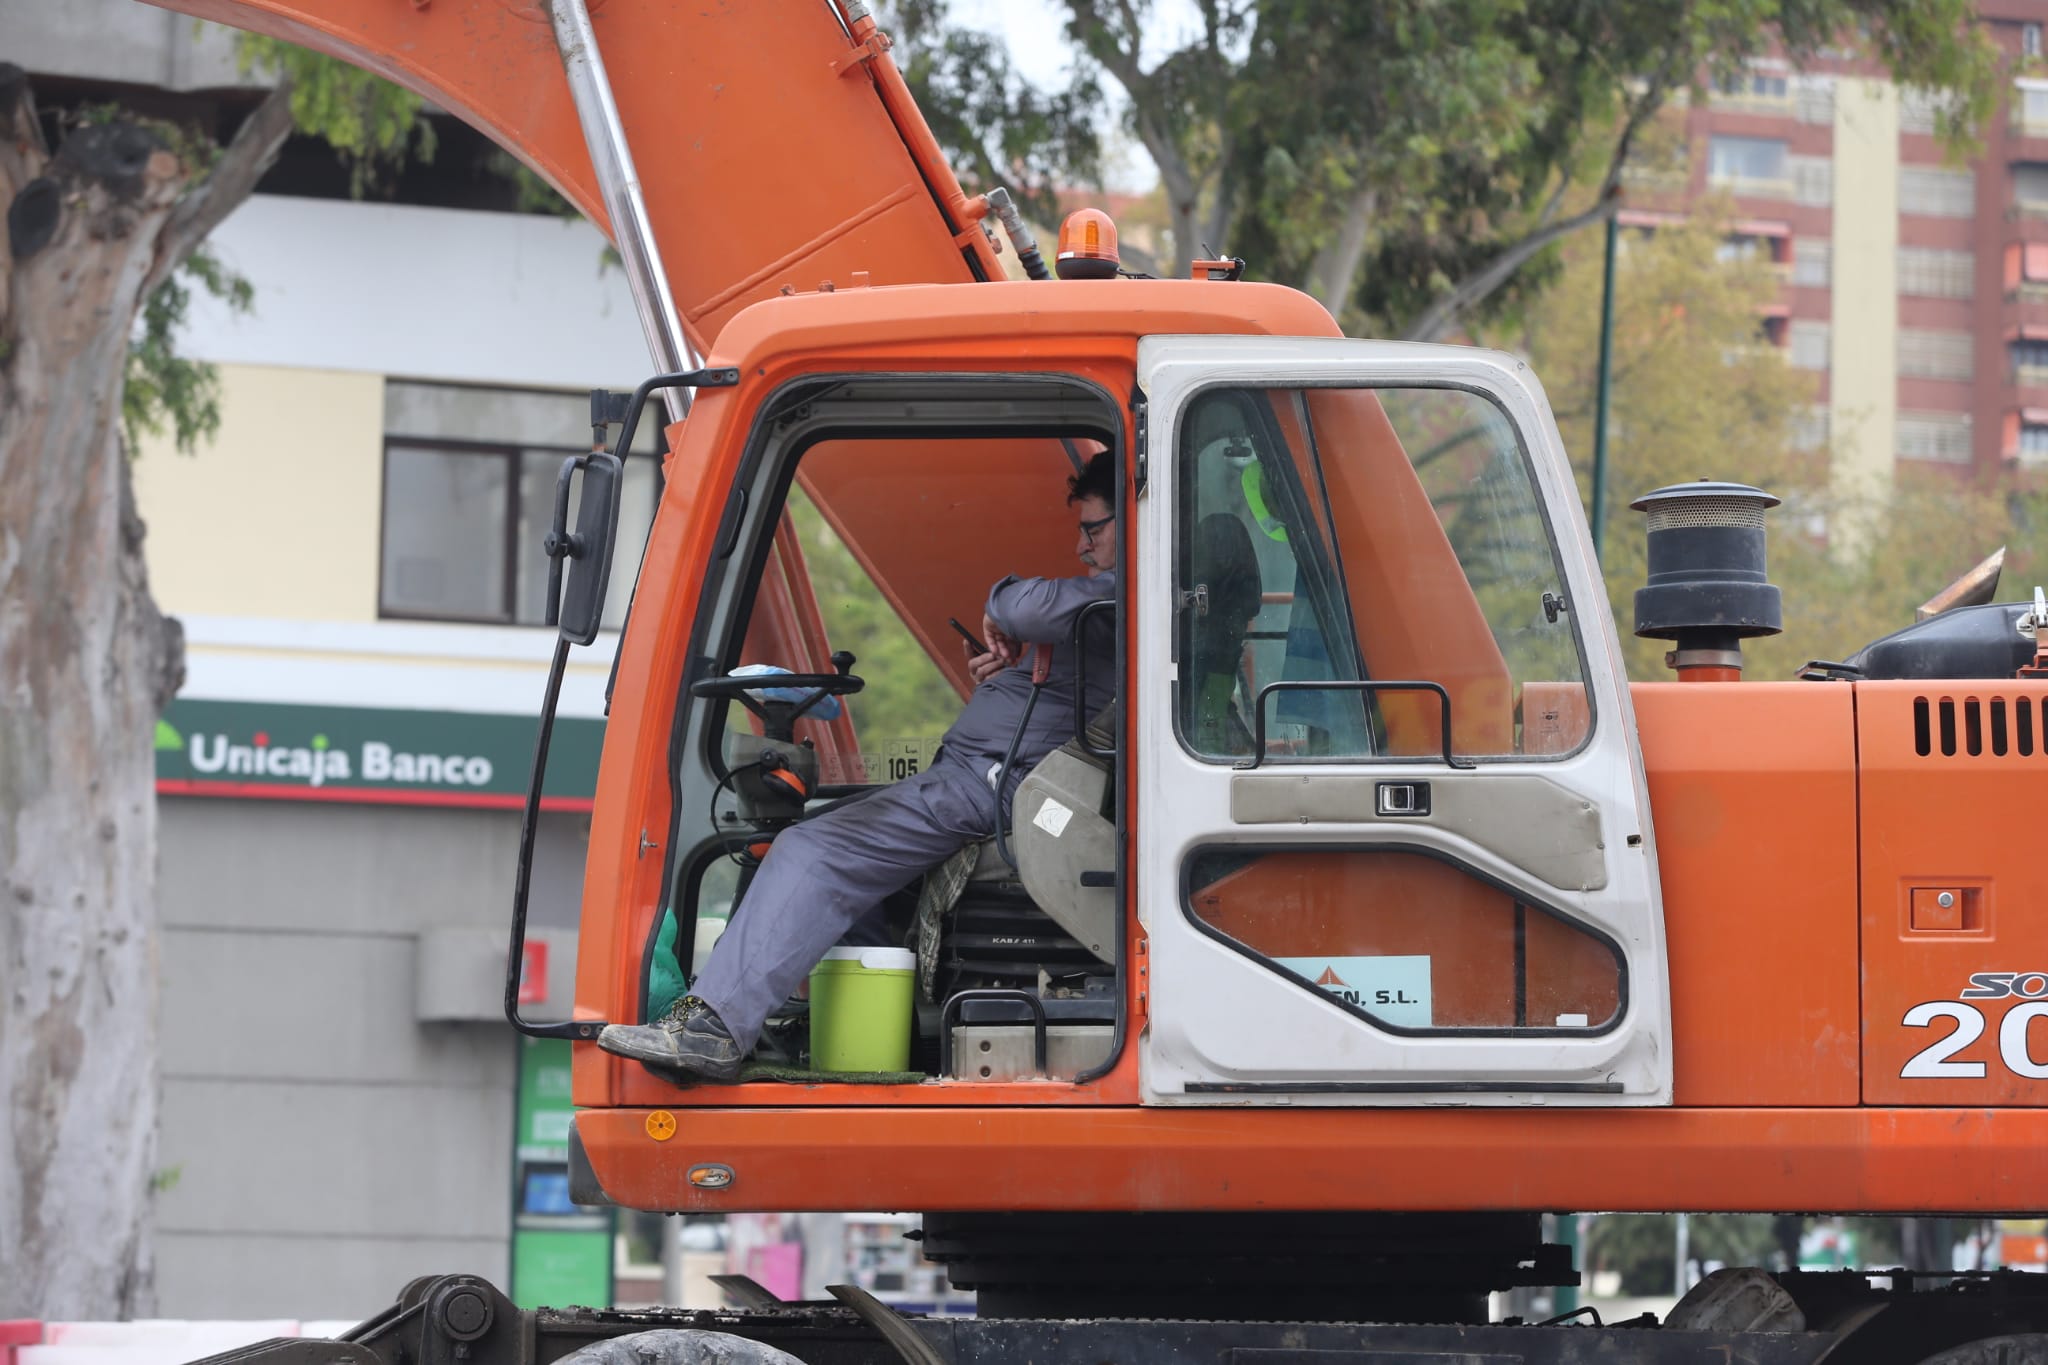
(1393, 831)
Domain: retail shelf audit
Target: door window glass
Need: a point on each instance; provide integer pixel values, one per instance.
(1356, 536)
(1409, 941)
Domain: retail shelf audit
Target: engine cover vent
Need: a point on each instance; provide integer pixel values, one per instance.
(1973, 726)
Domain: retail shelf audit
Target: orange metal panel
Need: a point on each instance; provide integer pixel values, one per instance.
(1486, 959)
(1753, 799)
(1965, 823)
(761, 164)
(1734, 1160)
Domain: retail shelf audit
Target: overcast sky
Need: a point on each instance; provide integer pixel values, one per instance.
(1038, 46)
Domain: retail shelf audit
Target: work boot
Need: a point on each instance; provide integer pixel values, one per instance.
(689, 1043)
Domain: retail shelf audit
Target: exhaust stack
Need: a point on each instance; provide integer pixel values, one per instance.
(1708, 588)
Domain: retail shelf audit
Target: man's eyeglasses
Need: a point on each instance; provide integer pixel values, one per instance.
(1092, 529)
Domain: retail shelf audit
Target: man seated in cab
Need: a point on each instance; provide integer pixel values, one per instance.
(823, 875)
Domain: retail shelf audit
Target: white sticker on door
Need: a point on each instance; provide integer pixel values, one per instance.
(1395, 989)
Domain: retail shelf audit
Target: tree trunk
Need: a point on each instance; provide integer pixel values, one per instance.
(86, 665)
(1336, 264)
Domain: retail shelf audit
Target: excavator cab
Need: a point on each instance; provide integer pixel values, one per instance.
(1364, 825)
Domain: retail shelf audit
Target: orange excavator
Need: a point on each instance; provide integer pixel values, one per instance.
(1377, 917)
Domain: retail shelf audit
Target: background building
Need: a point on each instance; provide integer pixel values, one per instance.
(1915, 286)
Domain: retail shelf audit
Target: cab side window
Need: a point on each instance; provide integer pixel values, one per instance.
(1359, 536)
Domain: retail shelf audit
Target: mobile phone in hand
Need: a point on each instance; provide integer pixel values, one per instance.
(967, 635)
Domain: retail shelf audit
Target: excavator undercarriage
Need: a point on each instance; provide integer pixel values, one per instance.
(1800, 1318)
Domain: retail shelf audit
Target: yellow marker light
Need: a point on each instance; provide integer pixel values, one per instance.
(661, 1125)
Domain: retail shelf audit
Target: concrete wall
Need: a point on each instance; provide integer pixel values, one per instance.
(277, 515)
(119, 40)
(421, 293)
(325, 1147)
(265, 541)
(1863, 360)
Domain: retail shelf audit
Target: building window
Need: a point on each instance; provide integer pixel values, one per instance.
(2030, 39)
(1768, 247)
(2030, 107)
(1760, 90)
(1754, 166)
(2033, 446)
(1942, 436)
(1810, 261)
(1808, 344)
(1810, 428)
(1920, 110)
(1937, 191)
(1814, 96)
(2030, 187)
(1935, 355)
(1929, 273)
(2029, 363)
(469, 491)
(1813, 180)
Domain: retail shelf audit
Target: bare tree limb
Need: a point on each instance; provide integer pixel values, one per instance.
(1336, 264)
(1438, 317)
(242, 163)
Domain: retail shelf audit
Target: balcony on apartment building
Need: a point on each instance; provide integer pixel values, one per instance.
(2028, 205)
(2026, 352)
(2024, 440)
(2029, 117)
(2023, 313)
(1750, 167)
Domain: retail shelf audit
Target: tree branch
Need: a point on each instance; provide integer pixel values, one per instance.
(1336, 264)
(1476, 287)
(1438, 317)
(233, 179)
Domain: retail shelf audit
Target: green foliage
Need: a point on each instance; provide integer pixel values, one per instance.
(906, 696)
(161, 387)
(1697, 395)
(1410, 158)
(1643, 1247)
(376, 126)
(1592, 80)
(530, 193)
(995, 127)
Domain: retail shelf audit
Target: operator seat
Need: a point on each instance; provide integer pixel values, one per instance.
(981, 923)
(1224, 569)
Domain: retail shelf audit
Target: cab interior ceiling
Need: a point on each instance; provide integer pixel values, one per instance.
(972, 486)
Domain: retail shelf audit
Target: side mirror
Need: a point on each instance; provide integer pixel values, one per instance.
(587, 552)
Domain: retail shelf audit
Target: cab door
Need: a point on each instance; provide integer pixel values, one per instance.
(1394, 841)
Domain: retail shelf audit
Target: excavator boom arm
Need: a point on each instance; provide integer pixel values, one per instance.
(775, 142)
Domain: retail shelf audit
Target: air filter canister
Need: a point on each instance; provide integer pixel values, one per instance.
(1708, 588)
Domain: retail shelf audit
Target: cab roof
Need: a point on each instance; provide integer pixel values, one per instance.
(1002, 315)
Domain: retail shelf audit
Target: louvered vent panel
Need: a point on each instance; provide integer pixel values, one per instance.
(2003, 727)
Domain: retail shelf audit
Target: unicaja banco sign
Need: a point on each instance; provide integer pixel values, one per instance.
(253, 749)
